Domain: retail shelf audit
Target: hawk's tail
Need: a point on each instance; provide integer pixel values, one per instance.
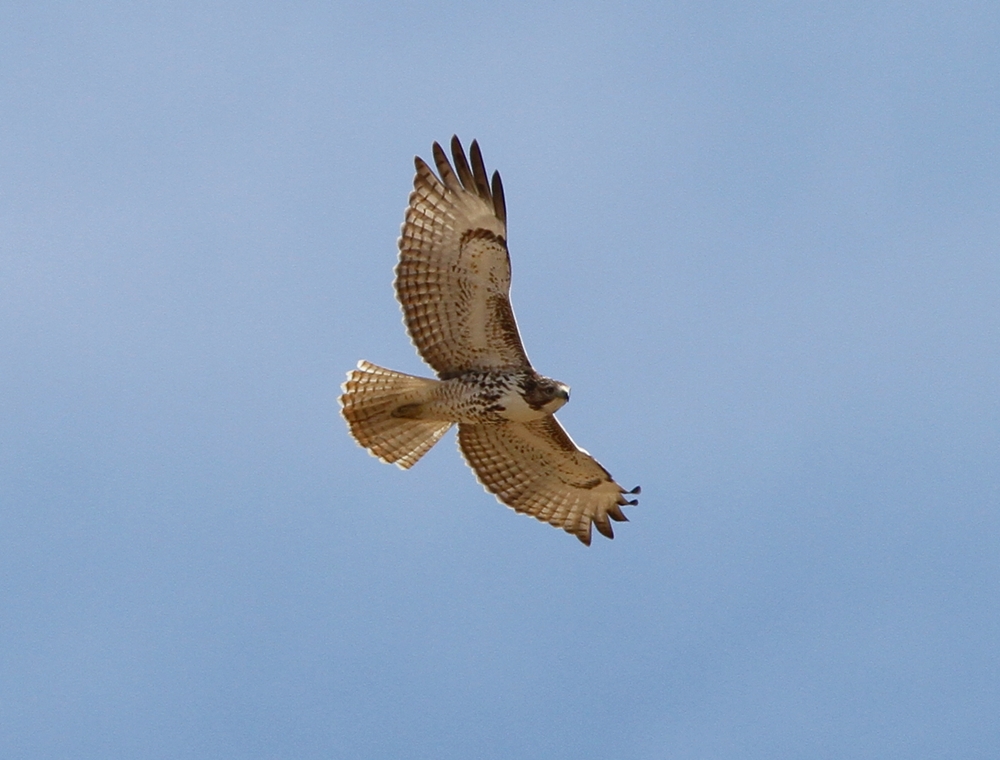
(371, 395)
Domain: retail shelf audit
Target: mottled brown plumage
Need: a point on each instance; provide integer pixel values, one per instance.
(453, 283)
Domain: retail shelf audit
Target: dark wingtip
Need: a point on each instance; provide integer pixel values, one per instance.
(439, 154)
(616, 514)
(479, 171)
(462, 168)
(629, 502)
(604, 528)
(457, 149)
(499, 204)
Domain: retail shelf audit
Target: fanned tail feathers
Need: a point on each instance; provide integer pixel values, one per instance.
(371, 395)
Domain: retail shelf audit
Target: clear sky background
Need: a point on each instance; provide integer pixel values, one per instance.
(761, 243)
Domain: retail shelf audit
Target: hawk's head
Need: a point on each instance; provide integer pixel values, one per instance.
(530, 397)
(543, 394)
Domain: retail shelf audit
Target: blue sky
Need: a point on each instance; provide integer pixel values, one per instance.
(761, 243)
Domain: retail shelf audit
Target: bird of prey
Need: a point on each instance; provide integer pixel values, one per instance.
(453, 283)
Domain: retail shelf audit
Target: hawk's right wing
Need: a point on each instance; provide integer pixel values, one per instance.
(453, 276)
(536, 468)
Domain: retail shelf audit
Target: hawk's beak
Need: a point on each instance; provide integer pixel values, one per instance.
(563, 392)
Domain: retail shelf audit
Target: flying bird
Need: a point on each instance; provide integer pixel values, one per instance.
(453, 283)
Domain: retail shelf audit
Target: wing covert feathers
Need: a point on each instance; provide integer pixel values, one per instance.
(453, 276)
(535, 468)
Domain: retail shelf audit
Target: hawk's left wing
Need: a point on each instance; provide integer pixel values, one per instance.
(535, 468)
(453, 276)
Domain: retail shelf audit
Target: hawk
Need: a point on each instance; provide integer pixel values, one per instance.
(453, 283)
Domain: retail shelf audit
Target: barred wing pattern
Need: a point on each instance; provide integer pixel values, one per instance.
(453, 284)
(536, 468)
(453, 276)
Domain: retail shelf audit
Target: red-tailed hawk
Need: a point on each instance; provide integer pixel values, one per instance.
(453, 282)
